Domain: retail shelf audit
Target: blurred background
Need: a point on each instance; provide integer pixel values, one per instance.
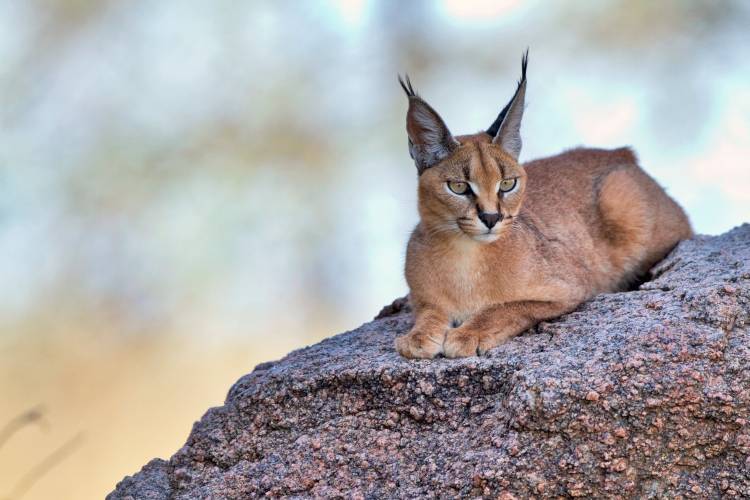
(188, 188)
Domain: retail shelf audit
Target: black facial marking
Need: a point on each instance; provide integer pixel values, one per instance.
(487, 159)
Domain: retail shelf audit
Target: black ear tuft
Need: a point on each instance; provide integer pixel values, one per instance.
(495, 127)
(407, 86)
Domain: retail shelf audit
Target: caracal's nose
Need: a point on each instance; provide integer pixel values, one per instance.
(489, 219)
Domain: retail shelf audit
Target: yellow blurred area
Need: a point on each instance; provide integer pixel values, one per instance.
(128, 402)
(190, 188)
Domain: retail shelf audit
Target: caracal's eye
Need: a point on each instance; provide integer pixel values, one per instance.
(459, 187)
(507, 185)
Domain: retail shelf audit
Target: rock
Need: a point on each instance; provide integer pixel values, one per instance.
(151, 483)
(637, 394)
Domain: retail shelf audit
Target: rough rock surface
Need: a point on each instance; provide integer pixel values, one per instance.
(637, 394)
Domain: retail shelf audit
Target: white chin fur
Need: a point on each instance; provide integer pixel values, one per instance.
(486, 237)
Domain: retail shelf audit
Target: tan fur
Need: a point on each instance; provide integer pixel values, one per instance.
(584, 222)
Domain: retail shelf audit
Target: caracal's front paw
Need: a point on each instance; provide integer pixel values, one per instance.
(419, 345)
(461, 343)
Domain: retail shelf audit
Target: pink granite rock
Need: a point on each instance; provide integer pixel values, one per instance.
(637, 394)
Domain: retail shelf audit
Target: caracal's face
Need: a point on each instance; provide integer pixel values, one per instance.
(476, 191)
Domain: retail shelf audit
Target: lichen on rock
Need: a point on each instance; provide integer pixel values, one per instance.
(637, 394)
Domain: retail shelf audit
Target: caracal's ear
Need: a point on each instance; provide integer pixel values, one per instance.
(506, 130)
(429, 138)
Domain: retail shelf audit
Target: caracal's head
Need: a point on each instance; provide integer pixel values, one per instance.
(469, 185)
